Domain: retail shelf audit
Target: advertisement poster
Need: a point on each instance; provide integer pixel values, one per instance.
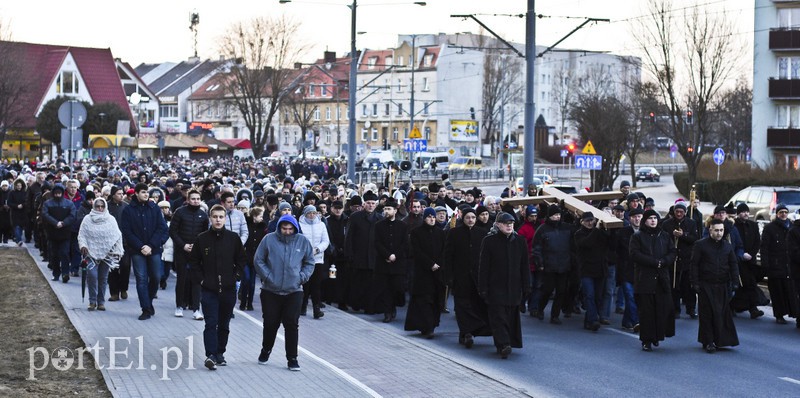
(464, 130)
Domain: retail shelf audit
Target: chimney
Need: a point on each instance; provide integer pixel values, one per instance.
(298, 65)
(330, 56)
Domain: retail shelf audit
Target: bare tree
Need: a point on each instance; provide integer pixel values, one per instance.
(302, 112)
(563, 97)
(641, 99)
(13, 85)
(707, 59)
(502, 84)
(264, 49)
(736, 106)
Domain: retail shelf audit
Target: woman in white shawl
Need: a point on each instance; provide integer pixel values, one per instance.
(100, 240)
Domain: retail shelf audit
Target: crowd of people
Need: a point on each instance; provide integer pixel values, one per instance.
(221, 226)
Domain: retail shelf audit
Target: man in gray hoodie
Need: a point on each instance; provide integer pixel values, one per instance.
(284, 261)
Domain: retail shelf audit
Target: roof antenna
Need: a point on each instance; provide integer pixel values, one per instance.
(195, 20)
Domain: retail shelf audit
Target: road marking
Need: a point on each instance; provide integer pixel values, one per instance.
(622, 332)
(790, 380)
(352, 380)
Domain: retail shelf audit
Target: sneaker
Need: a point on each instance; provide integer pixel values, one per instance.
(92, 307)
(293, 365)
(101, 307)
(210, 364)
(263, 357)
(636, 328)
(197, 316)
(19, 243)
(221, 360)
(179, 312)
(145, 315)
(55, 278)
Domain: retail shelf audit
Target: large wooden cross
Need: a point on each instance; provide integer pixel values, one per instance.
(573, 203)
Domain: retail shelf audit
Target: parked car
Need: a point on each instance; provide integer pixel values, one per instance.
(545, 178)
(519, 185)
(648, 174)
(762, 200)
(466, 163)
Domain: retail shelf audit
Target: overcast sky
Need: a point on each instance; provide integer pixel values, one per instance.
(158, 30)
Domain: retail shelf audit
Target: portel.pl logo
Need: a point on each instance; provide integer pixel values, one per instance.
(119, 353)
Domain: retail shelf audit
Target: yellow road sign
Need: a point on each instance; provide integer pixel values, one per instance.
(589, 149)
(415, 133)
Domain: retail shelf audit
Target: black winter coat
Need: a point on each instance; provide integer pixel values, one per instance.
(775, 249)
(19, 217)
(553, 247)
(653, 254)
(714, 262)
(462, 251)
(504, 276)
(187, 223)
(256, 232)
(624, 262)
(359, 245)
(428, 245)
(685, 242)
(751, 238)
(591, 247)
(216, 259)
(337, 227)
(391, 237)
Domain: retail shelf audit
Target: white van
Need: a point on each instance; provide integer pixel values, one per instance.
(377, 159)
(424, 159)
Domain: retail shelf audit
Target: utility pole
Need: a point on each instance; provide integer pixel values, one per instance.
(530, 109)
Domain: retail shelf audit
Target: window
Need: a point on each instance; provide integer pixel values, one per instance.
(387, 86)
(328, 136)
(399, 85)
(427, 133)
(395, 134)
(316, 113)
(425, 108)
(311, 89)
(425, 86)
(389, 60)
(374, 110)
(789, 68)
(338, 112)
(427, 61)
(788, 116)
(789, 17)
(147, 118)
(364, 135)
(327, 113)
(399, 109)
(286, 116)
(374, 134)
(323, 90)
(371, 62)
(364, 111)
(386, 110)
(169, 111)
(67, 83)
(285, 138)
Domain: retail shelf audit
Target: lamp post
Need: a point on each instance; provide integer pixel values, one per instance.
(351, 111)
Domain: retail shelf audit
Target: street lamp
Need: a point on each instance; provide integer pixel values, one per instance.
(351, 110)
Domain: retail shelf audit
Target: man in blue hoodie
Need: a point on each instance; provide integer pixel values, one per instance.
(284, 261)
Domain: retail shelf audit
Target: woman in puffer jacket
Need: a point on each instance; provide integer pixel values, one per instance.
(312, 227)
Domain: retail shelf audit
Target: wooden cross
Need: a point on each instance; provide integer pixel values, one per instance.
(573, 203)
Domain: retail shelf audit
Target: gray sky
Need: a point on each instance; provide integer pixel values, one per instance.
(158, 31)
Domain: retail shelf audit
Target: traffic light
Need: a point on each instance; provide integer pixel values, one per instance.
(472, 112)
(652, 118)
(571, 149)
(689, 117)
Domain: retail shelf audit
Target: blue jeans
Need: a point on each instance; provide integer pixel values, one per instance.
(592, 298)
(608, 293)
(620, 297)
(536, 287)
(147, 270)
(97, 280)
(18, 233)
(631, 316)
(248, 286)
(217, 310)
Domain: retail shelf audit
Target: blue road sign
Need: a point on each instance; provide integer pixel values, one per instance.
(415, 145)
(564, 153)
(589, 162)
(719, 156)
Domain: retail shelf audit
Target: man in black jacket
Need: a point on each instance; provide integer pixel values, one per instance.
(684, 233)
(391, 246)
(118, 279)
(552, 252)
(216, 259)
(504, 279)
(749, 271)
(775, 258)
(360, 252)
(337, 226)
(715, 276)
(187, 223)
(592, 244)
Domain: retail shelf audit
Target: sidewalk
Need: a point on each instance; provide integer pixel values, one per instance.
(340, 355)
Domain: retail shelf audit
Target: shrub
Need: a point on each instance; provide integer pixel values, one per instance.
(734, 176)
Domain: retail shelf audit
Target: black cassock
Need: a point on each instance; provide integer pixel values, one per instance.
(424, 310)
(462, 254)
(715, 274)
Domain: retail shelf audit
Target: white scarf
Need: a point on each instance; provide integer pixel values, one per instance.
(100, 234)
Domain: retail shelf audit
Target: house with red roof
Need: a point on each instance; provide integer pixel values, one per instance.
(82, 73)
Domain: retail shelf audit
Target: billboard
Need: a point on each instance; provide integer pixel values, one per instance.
(464, 130)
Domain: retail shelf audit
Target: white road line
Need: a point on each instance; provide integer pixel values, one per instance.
(790, 380)
(622, 332)
(352, 380)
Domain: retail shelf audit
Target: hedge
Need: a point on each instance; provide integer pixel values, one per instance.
(720, 192)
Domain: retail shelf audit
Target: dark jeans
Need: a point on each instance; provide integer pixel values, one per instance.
(278, 309)
(593, 289)
(147, 270)
(167, 267)
(536, 288)
(313, 287)
(187, 292)
(59, 257)
(119, 278)
(217, 310)
(558, 282)
(631, 316)
(248, 287)
(74, 253)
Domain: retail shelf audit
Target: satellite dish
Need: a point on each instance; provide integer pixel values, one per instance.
(135, 98)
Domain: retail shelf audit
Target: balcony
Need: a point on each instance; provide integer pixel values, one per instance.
(784, 88)
(784, 39)
(783, 137)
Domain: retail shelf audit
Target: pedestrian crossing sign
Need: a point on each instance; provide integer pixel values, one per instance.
(415, 133)
(589, 149)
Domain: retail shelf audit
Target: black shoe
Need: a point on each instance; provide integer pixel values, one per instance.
(303, 310)
(428, 335)
(646, 347)
(318, 313)
(343, 307)
(163, 285)
(655, 344)
(55, 278)
(469, 341)
(387, 318)
(263, 357)
(293, 365)
(242, 307)
(505, 351)
(605, 322)
(220, 360)
(595, 326)
(636, 328)
(322, 305)
(210, 364)
(710, 348)
(445, 311)
(145, 316)
(619, 310)
(556, 321)
(249, 307)
(64, 278)
(756, 313)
